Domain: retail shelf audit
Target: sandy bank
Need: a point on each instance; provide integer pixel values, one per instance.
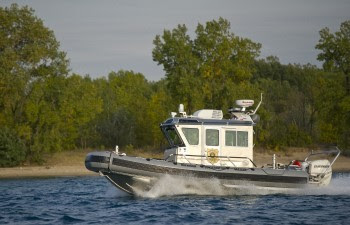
(44, 171)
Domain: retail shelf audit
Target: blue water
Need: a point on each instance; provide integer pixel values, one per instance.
(93, 200)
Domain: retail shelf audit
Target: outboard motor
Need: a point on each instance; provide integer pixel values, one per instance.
(320, 171)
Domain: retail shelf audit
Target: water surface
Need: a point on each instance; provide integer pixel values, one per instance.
(93, 200)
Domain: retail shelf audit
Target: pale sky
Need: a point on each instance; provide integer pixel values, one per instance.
(101, 36)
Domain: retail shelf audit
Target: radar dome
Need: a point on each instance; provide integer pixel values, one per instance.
(244, 103)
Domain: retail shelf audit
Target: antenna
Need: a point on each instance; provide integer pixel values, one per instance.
(261, 94)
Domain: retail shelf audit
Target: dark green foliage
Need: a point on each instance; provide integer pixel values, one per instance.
(206, 71)
(47, 109)
(303, 105)
(117, 129)
(43, 109)
(335, 54)
(125, 95)
(335, 49)
(12, 149)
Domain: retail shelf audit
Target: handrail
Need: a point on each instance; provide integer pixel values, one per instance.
(187, 159)
(231, 161)
(327, 152)
(204, 156)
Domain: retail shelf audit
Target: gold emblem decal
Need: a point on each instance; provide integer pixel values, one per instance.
(212, 155)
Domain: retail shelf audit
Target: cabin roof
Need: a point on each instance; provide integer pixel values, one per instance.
(200, 121)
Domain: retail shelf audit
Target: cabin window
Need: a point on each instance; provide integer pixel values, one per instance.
(172, 136)
(192, 135)
(230, 138)
(212, 137)
(242, 138)
(236, 138)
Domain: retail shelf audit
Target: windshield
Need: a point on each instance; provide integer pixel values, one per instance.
(172, 136)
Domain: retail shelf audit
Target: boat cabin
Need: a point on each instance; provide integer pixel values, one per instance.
(206, 138)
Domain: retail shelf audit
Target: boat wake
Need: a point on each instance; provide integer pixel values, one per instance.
(340, 185)
(169, 185)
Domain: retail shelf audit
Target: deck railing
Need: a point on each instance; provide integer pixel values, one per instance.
(205, 156)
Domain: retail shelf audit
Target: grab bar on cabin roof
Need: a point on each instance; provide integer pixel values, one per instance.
(201, 156)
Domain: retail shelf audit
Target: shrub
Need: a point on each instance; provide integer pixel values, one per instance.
(12, 149)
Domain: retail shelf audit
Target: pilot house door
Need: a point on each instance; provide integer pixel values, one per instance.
(211, 146)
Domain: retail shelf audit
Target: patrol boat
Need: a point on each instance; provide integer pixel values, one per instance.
(205, 146)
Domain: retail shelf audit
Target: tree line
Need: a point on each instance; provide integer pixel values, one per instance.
(45, 108)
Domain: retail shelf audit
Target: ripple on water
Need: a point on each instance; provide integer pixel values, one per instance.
(69, 219)
(93, 200)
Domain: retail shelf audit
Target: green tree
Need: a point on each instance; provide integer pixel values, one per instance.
(334, 112)
(30, 63)
(158, 110)
(224, 59)
(79, 104)
(335, 49)
(335, 53)
(201, 72)
(12, 149)
(292, 102)
(125, 97)
(40, 127)
(175, 51)
(28, 53)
